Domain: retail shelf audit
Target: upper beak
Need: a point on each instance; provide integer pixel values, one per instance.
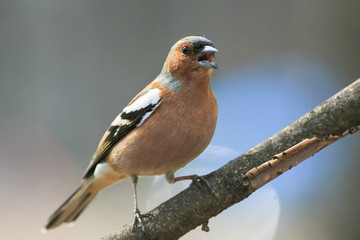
(208, 48)
(206, 57)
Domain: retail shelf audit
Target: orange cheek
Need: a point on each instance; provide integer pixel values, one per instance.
(179, 65)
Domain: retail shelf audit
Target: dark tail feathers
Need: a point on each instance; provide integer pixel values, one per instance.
(70, 210)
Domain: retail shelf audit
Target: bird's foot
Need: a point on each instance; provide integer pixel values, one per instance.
(139, 219)
(197, 179)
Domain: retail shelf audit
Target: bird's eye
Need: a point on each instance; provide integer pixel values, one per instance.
(186, 50)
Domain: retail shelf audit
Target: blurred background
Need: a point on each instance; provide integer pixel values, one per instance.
(67, 68)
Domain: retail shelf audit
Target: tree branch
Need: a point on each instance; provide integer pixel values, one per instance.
(331, 120)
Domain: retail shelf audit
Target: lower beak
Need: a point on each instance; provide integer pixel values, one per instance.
(206, 57)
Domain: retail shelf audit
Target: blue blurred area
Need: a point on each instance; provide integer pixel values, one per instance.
(259, 100)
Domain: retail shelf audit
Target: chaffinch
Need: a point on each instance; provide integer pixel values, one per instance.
(167, 125)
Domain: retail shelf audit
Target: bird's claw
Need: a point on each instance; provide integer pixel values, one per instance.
(138, 219)
(196, 181)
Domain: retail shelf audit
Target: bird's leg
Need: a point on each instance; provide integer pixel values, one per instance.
(170, 178)
(137, 212)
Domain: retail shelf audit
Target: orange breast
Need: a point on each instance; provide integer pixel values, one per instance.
(176, 133)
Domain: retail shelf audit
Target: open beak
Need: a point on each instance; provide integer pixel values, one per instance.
(206, 58)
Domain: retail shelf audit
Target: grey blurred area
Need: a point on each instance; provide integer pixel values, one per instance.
(67, 68)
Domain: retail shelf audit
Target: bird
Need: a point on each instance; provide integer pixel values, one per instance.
(166, 126)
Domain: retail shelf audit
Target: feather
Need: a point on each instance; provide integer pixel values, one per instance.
(134, 115)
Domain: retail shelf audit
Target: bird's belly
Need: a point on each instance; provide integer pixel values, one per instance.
(159, 151)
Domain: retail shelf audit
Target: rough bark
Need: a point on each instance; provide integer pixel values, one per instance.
(331, 120)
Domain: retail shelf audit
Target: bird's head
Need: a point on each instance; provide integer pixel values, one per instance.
(191, 57)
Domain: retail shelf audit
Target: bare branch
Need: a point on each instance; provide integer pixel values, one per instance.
(328, 122)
